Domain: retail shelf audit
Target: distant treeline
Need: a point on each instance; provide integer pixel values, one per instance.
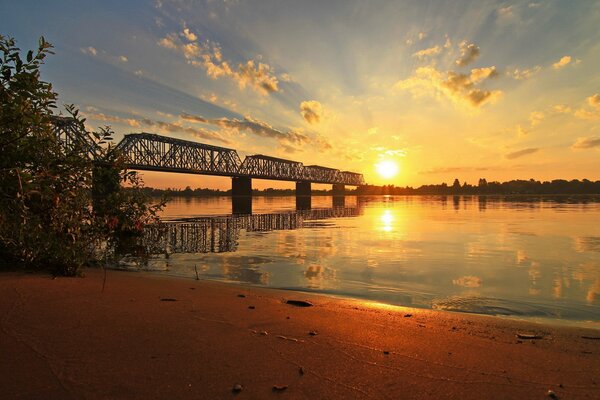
(557, 186)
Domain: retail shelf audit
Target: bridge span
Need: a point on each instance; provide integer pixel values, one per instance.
(152, 152)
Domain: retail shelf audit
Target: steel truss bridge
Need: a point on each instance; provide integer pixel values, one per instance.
(151, 152)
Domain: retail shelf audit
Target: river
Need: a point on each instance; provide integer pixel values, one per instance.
(519, 256)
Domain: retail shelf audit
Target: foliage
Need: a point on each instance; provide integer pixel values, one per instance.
(557, 186)
(46, 214)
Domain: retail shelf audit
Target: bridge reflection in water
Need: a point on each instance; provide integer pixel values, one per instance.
(220, 234)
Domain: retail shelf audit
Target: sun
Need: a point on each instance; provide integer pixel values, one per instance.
(387, 169)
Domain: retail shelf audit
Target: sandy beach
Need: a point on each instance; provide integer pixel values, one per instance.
(148, 336)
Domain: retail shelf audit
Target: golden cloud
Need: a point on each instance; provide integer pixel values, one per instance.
(521, 74)
(311, 111)
(536, 117)
(594, 101)
(432, 51)
(586, 143)
(521, 153)
(468, 53)
(161, 126)
(258, 76)
(459, 88)
(563, 62)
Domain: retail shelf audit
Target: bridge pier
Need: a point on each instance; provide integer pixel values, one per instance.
(339, 201)
(241, 195)
(303, 192)
(338, 189)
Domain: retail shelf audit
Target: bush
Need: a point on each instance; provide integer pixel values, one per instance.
(46, 214)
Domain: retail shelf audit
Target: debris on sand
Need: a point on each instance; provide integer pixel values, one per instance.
(241, 295)
(407, 315)
(299, 303)
(279, 388)
(301, 370)
(386, 352)
(313, 333)
(264, 333)
(167, 299)
(529, 336)
(551, 394)
(251, 307)
(237, 388)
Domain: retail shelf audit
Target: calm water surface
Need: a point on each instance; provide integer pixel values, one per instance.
(516, 256)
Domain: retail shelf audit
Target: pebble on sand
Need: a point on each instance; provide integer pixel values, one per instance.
(237, 388)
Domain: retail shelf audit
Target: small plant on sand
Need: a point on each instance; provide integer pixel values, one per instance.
(56, 202)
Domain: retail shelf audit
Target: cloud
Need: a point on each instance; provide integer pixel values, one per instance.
(593, 114)
(536, 117)
(594, 101)
(112, 118)
(586, 143)
(446, 170)
(506, 11)
(460, 88)
(249, 125)
(161, 126)
(90, 51)
(123, 59)
(311, 111)
(189, 35)
(208, 55)
(522, 74)
(562, 109)
(521, 153)
(432, 51)
(563, 62)
(468, 281)
(468, 53)
(289, 140)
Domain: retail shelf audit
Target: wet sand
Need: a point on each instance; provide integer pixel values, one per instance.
(148, 336)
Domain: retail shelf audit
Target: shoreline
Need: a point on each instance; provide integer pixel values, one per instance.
(556, 322)
(155, 336)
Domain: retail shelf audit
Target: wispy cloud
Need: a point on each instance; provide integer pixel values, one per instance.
(522, 74)
(289, 140)
(446, 170)
(160, 126)
(521, 153)
(90, 51)
(536, 117)
(432, 51)
(586, 142)
(208, 55)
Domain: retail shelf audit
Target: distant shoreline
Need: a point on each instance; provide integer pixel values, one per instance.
(557, 187)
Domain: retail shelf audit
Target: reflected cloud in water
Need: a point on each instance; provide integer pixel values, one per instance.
(525, 256)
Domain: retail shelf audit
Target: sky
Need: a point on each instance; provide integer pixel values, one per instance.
(441, 89)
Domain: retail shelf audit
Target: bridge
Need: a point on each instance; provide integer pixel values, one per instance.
(151, 152)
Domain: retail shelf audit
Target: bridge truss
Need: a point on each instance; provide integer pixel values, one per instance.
(147, 151)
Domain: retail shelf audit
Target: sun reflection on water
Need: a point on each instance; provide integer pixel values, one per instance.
(387, 221)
